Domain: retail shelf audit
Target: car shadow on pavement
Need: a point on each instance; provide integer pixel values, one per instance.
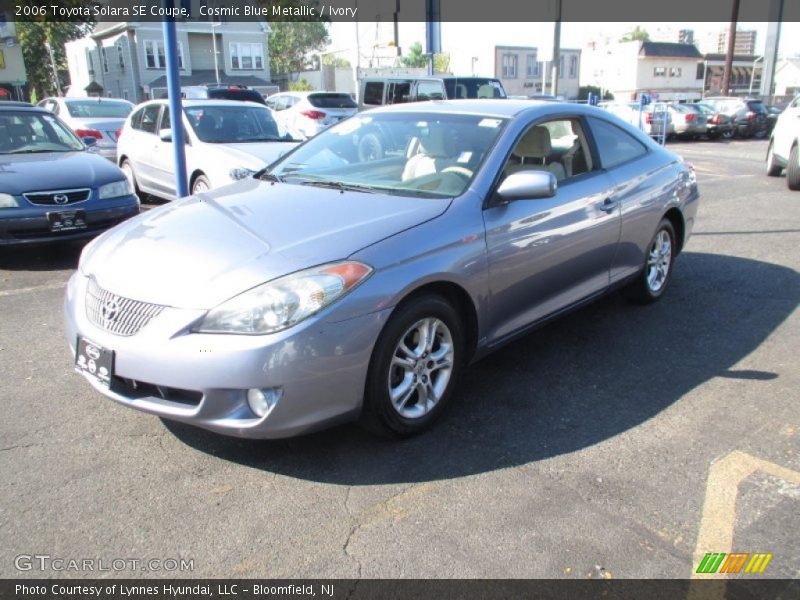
(583, 379)
(42, 257)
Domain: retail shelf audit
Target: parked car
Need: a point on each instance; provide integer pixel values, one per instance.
(688, 121)
(51, 188)
(749, 116)
(226, 141)
(784, 146)
(99, 118)
(773, 112)
(653, 122)
(212, 91)
(718, 125)
(330, 288)
(380, 91)
(308, 113)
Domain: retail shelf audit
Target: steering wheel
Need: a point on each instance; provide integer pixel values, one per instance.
(457, 170)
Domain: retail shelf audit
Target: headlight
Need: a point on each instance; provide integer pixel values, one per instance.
(116, 189)
(283, 302)
(8, 201)
(240, 173)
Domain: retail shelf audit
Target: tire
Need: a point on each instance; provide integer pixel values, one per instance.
(370, 147)
(773, 168)
(200, 184)
(126, 167)
(713, 135)
(793, 169)
(401, 341)
(729, 135)
(656, 274)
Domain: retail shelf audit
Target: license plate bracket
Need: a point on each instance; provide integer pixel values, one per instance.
(72, 220)
(95, 361)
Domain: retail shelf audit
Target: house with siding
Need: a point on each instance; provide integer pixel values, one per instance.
(127, 59)
(521, 71)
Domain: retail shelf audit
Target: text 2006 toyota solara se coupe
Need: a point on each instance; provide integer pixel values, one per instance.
(358, 275)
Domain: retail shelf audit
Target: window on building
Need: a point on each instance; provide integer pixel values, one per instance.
(675, 71)
(573, 66)
(701, 69)
(154, 57)
(104, 55)
(660, 72)
(89, 64)
(246, 56)
(531, 66)
(510, 66)
(120, 56)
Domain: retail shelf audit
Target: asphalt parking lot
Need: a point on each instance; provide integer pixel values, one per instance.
(620, 441)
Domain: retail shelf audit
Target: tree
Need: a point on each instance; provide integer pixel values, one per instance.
(415, 57)
(336, 61)
(32, 37)
(638, 33)
(585, 90)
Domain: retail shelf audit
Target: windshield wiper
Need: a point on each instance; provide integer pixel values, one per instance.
(271, 177)
(36, 151)
(342, 187)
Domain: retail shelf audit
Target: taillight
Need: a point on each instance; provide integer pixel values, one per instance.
(118, 132)
(690, 117)
(89, 133)
(313, 114)
(649, 118)
(750, 115)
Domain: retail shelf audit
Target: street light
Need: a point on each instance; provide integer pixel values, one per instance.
(753, 74)
(474, 60)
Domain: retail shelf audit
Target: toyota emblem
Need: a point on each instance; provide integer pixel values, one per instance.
(109, 310)
(60, 198)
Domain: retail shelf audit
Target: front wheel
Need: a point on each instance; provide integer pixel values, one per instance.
(414, 368)
(127, 169)
(200, 185)
(793, 169)
(654, 278)
(773, 168)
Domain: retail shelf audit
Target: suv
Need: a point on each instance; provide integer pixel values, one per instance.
(222, 92)
(748, 115)
(379, 91)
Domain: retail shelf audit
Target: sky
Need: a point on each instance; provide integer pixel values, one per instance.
(465, 41)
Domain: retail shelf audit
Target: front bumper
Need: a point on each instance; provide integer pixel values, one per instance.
(202, 379)
(30, 226)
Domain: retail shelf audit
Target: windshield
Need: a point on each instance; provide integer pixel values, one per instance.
(29, 132)
(474, 87)
(412, 154)
(232, 124)
(92, 109)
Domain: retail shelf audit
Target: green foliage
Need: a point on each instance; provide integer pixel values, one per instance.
(32, 38)
(292, 40)
(585, 90)
(638, 33)
(336, 61)
(300, 86)
(415, 57)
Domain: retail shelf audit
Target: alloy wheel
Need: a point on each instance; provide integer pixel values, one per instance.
(659, 261)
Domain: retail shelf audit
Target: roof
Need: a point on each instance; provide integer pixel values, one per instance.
(202, 76)
(206, 102)
(747, 58)
(93, 87)
(669, 50)
(9, 106)
(489, 107)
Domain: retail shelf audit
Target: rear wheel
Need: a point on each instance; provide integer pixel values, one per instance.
(200, 184)
(773, 168)
(793, 169)
(414, 367)
(654, 278)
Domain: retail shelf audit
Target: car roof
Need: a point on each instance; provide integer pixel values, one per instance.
(24, 108)
(489, 107)
(99, 100)
(204, 102)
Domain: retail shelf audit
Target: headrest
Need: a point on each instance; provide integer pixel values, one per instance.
(437, 143)
(534, 144)
(19, 129)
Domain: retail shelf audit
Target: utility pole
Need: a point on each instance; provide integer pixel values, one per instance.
(771, 48)
(433, 31)
(726, 74)
(216, 57)
(556, 49)
(53, 66)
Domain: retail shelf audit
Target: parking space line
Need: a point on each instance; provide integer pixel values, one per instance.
(35, 288)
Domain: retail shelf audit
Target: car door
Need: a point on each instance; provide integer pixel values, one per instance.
(163, 158)
(144, 146)
(787, 129)
(640, 182)
(547, 254)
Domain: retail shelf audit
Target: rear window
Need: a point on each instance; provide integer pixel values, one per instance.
(757, 106)
(474, 87)
(94, 109)
(331, 101)
(236, 94)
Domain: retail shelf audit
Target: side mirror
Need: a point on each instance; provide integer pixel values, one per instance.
(528, 185)
(165, 135)
(89, 141)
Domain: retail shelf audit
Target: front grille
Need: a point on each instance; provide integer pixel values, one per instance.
(115, 314)
(57, 197)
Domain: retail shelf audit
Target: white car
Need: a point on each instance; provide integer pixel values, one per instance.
(98, 118)
(784, 146)
(308, 113)
(225, 141)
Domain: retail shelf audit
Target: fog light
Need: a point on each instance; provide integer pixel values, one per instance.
(263, 401)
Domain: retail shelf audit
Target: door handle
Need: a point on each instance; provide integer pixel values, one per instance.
(609, 205)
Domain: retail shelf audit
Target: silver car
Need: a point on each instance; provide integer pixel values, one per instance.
(98, 118)
(336, 286)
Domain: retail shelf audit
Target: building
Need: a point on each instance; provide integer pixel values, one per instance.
(744, 42)
(745, 75)
(787, 77)
(520, 71)
(13, 77)
(664, 70)
(126, 59)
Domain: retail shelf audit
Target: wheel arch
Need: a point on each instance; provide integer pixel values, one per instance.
(675, 217)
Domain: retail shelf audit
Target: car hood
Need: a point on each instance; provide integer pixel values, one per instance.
(21, 173)
(200, 251)
(257, 155)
